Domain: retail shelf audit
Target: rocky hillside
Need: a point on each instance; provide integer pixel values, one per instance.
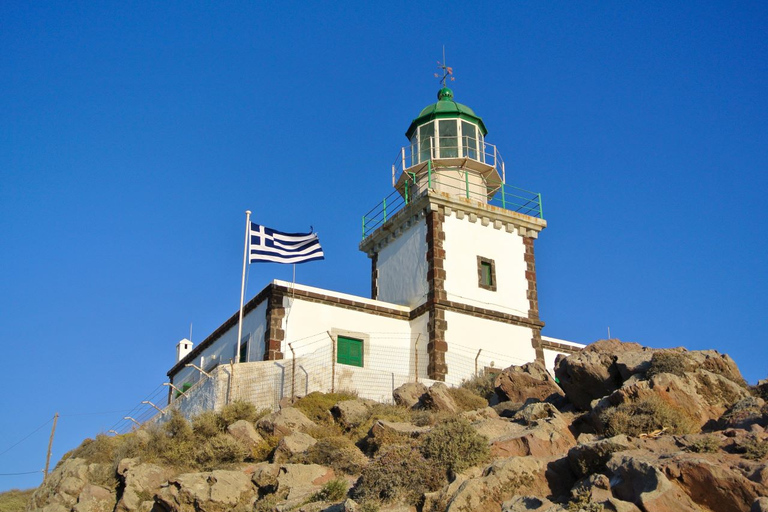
(623, 428)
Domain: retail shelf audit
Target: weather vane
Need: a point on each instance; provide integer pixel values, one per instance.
(447, 71)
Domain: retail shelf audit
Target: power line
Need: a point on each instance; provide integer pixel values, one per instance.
(27, 437)
(23, 473)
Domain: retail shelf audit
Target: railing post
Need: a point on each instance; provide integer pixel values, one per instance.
(466, 181)
(503, 173)
(363, 227)
(476, 358)
(495, 155)
(429, 174)
(541, 208)
(402, 156)
(385, 209)
(503, 198)
(393, 175)
(406, 191)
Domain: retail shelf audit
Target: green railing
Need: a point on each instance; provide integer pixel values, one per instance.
(456, 182)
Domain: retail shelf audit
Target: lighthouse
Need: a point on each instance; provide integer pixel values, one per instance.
(454, 241)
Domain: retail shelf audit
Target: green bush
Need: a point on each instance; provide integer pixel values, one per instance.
(667, 361)
(317, 406)
(645, 416)
(455, 445)
(466, 399)
(15, 500)
(398, 473)
(334, 490)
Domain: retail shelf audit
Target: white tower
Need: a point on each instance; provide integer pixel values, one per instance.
(454, 241)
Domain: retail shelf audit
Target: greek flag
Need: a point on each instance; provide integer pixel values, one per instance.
(271, 245)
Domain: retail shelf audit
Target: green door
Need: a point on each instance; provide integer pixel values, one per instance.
(349, 351)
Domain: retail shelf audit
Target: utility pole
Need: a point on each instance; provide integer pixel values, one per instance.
(50, 443)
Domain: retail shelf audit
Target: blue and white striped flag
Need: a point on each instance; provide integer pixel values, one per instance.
(270, 245)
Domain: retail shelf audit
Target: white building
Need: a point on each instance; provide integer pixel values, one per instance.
(453, 281)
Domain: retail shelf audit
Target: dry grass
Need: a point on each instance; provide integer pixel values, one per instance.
(15, 500)
(645, 416)
(667, 361)
(466, 399)
(481, 385)
(704, 444)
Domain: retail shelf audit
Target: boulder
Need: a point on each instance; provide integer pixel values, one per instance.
(139, 481)
(245, 433)
(485, 413)
(298, 481)
(589, 458)
(383, 427)
(743, 414)
(285, 422)
(530, 381)
(592, 373)
(409, 394)
(760, 505)
(214, 490)
(525, 503)
(437, 398)
(533, 412)
(507, 409)
(542, 438)
(351, 413)
(291, 445)
(636, 480)
(94, 498)
(501, 481)
(62, 486)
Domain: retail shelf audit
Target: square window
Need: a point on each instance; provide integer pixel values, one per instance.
(349, 351)
(486, 273)
(243, 354)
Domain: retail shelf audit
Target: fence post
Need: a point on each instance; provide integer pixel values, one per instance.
(293, 372)
(541, 208)
(333, 362)
(476, 358)
(385, 209)
(416, 356)
(231, 380)
(363, 227)
(402, 154)
(393, 175)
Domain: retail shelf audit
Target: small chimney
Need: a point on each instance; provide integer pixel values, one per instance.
(183, 348)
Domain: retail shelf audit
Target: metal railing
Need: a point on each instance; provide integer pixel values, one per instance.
(413, 177)
(431, 148)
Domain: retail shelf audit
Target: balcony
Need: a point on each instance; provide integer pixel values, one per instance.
(473, 170)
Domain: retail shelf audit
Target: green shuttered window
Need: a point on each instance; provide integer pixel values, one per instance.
(349, 351)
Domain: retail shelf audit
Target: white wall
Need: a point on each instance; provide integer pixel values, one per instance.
(306, 319)
(224, 348)
(502, 344)
(402, 267)
(464, 242)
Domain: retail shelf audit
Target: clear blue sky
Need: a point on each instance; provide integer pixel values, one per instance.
(134, 135)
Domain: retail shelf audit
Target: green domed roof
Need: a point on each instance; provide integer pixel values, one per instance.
(445, 107)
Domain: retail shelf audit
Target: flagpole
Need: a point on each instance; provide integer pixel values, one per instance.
(242, 285)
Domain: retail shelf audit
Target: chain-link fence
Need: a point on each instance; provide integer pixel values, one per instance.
(311, 364)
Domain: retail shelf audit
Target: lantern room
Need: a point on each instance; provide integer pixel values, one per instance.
(448, 153)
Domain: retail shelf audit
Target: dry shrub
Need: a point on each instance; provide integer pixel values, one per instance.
(667, 361)
(218, 450)
(754, 448)
(264, 450)
(101, 450)
(386, 412)
(483, 385)
(208, 424)
(645, 416)
(399, 473)
(338, 453)
(467, 400)
(455, 446)
(317, 406)
(241, 410)
(582, 502)
(334, 490)
(704, 444)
